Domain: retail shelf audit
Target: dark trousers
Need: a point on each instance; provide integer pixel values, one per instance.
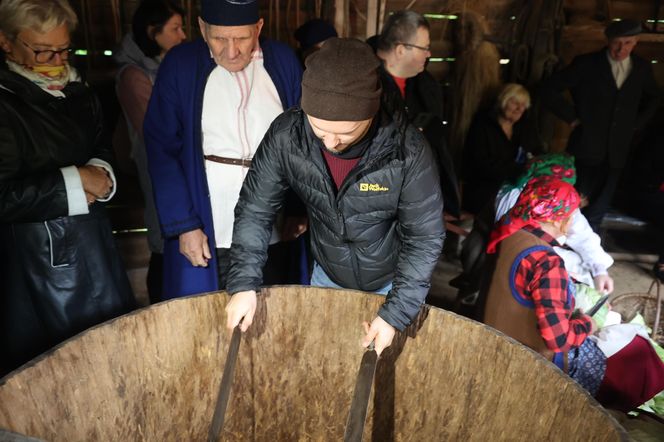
(155, 278)
(650, 206)
(598, 183)
(275, 272)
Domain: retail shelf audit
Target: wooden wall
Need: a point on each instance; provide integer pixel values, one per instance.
(585, 29)
(103, 22)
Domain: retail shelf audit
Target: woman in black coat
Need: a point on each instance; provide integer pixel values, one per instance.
(493, 151)
(60, 271)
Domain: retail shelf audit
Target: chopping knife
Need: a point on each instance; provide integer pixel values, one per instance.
(225, 387)
(595, 308)
(358, 408)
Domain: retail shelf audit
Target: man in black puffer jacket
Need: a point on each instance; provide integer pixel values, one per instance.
(370, 186)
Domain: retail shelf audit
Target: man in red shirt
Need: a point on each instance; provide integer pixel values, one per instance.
(412, 93)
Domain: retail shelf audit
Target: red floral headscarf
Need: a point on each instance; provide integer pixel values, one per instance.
(544, 199)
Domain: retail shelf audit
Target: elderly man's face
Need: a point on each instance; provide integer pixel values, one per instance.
(621, 47)
(337, 136)
(231, 46)
(32, 48)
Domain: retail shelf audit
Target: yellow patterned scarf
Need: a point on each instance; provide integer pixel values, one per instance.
(51, 79)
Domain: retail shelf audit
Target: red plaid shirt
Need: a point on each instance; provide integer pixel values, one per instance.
(542, 278)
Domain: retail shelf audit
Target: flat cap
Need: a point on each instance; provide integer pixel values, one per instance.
(622, 28)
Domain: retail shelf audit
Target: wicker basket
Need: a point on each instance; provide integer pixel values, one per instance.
(648, 304)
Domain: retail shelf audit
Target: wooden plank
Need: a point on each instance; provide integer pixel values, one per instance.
(647, 258)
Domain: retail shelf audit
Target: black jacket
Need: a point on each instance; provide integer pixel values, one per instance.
(59, 274)
(608, 115)
(489, 158)
(383, 225)
(422, 106)
(423, 98)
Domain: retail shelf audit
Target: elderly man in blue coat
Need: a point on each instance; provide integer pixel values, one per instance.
(212, 102)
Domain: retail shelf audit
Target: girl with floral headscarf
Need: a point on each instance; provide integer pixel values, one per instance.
(584, 257)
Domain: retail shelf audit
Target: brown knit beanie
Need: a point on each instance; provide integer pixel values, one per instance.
(341, 82)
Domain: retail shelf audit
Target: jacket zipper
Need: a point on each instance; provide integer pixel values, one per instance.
(337, 200)
(351, 247)
(342, 191)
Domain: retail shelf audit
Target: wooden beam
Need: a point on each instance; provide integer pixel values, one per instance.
(645, 258)
(595, 31)
(340, 17)
(381, 14)
(372, 18)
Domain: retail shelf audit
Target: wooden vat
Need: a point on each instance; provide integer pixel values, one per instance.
(153, 375)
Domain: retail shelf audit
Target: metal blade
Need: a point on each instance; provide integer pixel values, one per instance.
(595, 308)
(358, 408)
(225, 387)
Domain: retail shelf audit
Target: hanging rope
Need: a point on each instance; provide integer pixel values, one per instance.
(190, 13)
(269, 17)
(277, 23)
(117, 23)
(289, 5)
(381, 14)
(297, 14)
(410, 5)
(87, 24)
(357, 10)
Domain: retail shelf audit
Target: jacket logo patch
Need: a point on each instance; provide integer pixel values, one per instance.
(369, 187)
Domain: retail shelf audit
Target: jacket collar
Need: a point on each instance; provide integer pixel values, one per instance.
(603, 60)
(386, 136)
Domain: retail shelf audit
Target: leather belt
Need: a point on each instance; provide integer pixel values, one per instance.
(244, 162)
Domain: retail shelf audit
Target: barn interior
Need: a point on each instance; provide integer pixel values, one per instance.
(534, 39)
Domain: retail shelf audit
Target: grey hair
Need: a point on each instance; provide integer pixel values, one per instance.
(513, 90)
(401, 27)
(38, 15)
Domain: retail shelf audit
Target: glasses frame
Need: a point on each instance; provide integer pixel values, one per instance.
(421, 48)
(63, 53)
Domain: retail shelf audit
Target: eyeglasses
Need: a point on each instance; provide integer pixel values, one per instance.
(49, 54)
(421, 48)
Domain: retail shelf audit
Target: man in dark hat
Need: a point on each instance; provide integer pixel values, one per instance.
(212, 102)
(614, 93)
(369, 184)
(312, 35)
